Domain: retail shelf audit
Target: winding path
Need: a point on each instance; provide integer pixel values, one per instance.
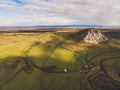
(112, 51)
(102, 69)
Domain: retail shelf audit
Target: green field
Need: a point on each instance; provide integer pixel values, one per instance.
(36, 61)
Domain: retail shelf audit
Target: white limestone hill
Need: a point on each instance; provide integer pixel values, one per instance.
(89, 36)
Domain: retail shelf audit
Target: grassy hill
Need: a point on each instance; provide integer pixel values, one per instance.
(42, 58)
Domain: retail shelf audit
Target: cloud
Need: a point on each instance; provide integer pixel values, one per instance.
(102, 12)
(33, 20)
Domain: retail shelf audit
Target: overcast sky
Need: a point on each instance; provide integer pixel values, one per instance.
(59, 12)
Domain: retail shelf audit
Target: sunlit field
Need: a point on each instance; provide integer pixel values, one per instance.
(50, 61)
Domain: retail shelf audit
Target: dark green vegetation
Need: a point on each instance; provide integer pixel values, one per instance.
(50, 61)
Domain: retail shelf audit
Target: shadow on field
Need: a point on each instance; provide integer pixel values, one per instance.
(9, 68)
(113, 34)
(102, 82)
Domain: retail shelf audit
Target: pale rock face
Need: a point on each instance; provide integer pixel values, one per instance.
(94, 36)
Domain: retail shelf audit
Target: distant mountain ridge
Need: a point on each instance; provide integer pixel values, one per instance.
(51, 26)
(71, 26)
(43, 27)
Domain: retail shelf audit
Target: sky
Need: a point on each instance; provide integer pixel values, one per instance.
(59, 12)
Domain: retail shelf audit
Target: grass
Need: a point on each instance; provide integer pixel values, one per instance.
(113, 68)
(54, 50)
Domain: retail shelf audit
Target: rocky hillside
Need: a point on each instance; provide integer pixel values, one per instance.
(89, 36)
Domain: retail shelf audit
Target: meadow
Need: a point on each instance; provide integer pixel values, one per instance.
(49, 61)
